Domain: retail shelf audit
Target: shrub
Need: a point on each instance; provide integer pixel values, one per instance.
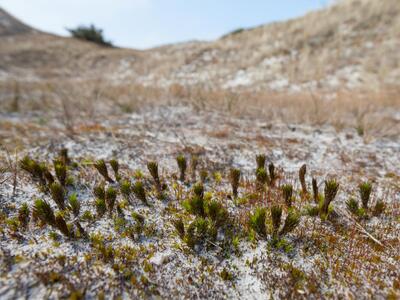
(91, 34)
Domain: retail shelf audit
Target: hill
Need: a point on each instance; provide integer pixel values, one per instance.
(350, 45)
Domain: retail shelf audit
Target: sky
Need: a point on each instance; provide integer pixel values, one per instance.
(148, 23)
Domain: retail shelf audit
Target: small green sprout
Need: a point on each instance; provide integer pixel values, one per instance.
(352, 206)
(234, 178)
(257, 221)
(182, 165)
(74, 204)
(61, 171)
(365, 190)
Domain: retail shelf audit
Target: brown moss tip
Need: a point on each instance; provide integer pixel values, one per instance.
(194, 161)
(152, 166)
(182, 165)
(302, 177)
(234, 178)
(315, 190)
(287, 191)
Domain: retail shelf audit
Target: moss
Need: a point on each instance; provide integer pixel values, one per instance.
(287, 191)
(291, 222)
(110, 198)
(257, 221)
(182, 165)
(234, 178)
(226, 275)
(260, 160)
(74, 204)
(365, 190)
(302, 177)
(101, 167)
(330, 191)
(61, 171)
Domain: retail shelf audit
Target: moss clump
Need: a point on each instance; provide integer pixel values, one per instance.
(260, 160)
(152, 166)
(330, 191)
(115, 166)
(58, 194)
(287, 191)
(74, 204)
(276, 215)
(291, 222)
(111, 197)
(257, 221)
(365, 190)
(101, 167)
(261, 178)
(61, 171)
(44, 212)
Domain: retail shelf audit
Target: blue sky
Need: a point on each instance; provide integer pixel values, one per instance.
(148, 23)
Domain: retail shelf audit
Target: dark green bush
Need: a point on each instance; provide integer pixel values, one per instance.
(91, 34)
